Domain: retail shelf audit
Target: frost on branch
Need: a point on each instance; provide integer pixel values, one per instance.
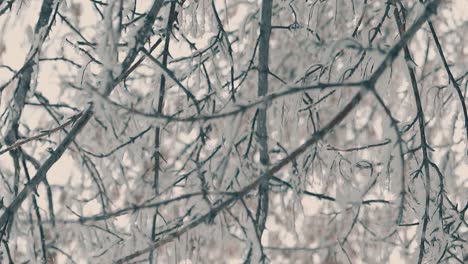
(245, 131)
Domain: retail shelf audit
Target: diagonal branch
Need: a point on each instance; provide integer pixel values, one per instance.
(391, 56)
(142, 36)
(42, 171)
(450, 75)
(49, 132)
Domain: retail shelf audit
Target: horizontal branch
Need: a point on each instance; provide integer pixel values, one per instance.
(240, 107)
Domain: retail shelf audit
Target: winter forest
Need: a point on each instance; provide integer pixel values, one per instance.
(233, 131)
